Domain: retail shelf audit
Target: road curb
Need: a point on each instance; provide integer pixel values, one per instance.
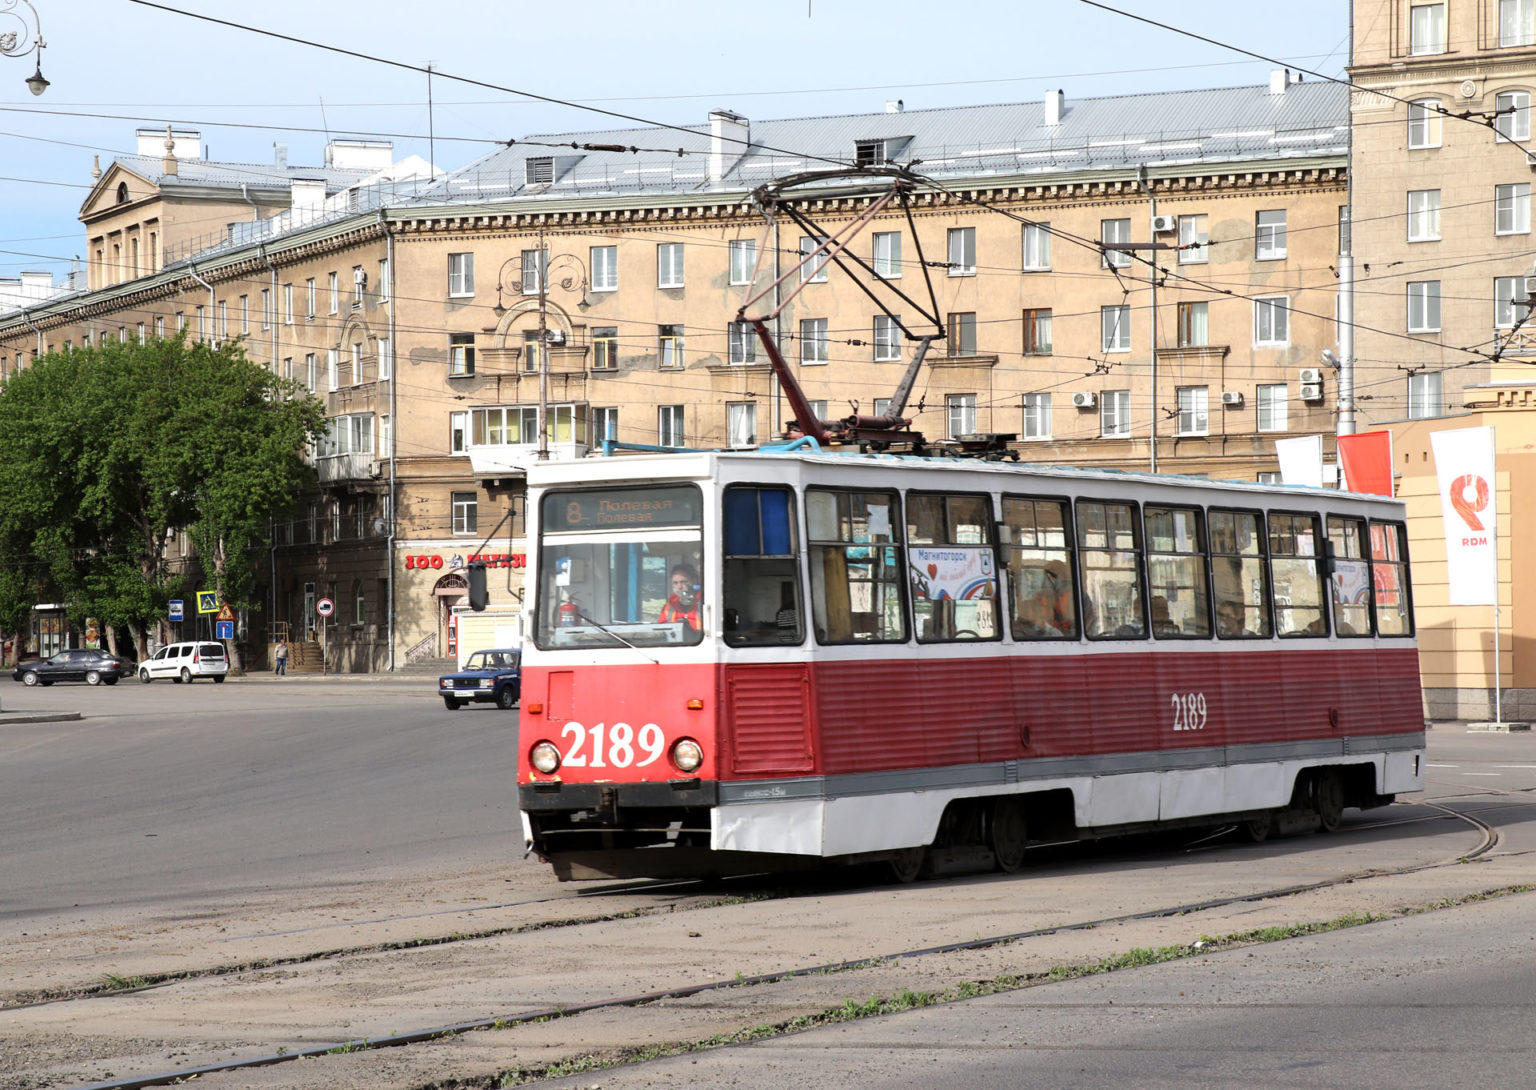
(9, 718)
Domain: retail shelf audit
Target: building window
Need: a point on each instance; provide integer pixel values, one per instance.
(669, 425)
(466, 512)
(1194, 325)
(741, 423)
(1424, 123)
(670, 342)
(1115, 326)
(386, 358)
(458, 433)
(142, 338)
(1424, 395)
(605, 424)
(962, 333)
(1426, 29)
(1115, 231)
(533, 355)
(1194, 240)
(287, 304)
(1423, 215)
(813, 340)
(507, 424)
(311, 365)
(743, 253)
(359, 600)
(1516, 26)
(962, 251)
(1037, 247)
(359, 286)
(245, 314)
(960, 414)
(461, 277)
(534, 265)
(1512, 115)
(1194, 410)
(1510, 302)
(1115, 414)
(1512, 209)
(605, 268)
(384, 280)
(332, 368)
(310, 297)
(333, 282)
(1271, 407)
(1271, 321)
(743, 343)
(669, 265)
(813, 260)
(160, 330)
(461, 354)
(887, 338)
(223, 322)
(605, 348)
(1424, 306)
(887, 254)
(1269, 235)
(1037, 416)
(1037, 332)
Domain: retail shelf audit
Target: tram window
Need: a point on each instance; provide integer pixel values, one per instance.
(1037, 549)
(951, 568)
(1109, 559)
(1349, 577)
(1389, 579)
(762, 603)
(1239, 575)
(856, 566)
(1296, 576)
(1176, 582)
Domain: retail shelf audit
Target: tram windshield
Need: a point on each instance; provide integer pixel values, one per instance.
(621, 567)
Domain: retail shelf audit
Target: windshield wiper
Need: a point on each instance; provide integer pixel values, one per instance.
(599, 625)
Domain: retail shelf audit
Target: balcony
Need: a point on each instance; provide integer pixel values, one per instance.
(344, 467)
(1515, 342)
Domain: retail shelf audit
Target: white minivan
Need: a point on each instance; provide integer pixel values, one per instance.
(186, 661)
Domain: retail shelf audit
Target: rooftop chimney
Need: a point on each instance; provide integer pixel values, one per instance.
(895, 106)
(1055, 106)
(168, 164)
(1279, 80)
(728, 136)
(280, 155)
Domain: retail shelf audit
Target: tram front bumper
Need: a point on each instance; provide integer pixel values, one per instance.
(553, 796)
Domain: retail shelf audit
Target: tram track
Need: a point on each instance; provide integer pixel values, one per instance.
(1488, 838)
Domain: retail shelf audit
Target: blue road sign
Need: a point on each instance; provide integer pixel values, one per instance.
(176, 609)
(225, 630)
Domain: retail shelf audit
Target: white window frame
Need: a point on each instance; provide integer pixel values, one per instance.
(1516, 23)
(961, 325)
(1198, 333)
(960, 247)
(1423, 215)
(1506, 312)
(386, 359)
(461, 277)
(1037, 417)
(887, 339)
(813, 265)
(1514, 126)
(1423, 306)
(1115, 328)
(959, 415)
(885, 252)
(1195, 232)
(1424, 123)
(1512, 209)
(1426, 29)
(605, 268)
(1271, 400)
(383, 279)
(458, 433)
(287, 304)
(333, 281)
(1194, 410)
(1044, 322)
(1114, 414)
(741, 423)
(742, 340)
(1426, 395)
(332, 369)
(743, 259)
(670, 426)
(605, 423)
(312, 298)
(813, 341)
(669, 265)
(1271, 321)
(311, 366)
(465, 509)
(1036, 247)
(534, 269)
(1269, 227)
(1115, 230)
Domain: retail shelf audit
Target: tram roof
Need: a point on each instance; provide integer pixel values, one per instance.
(702, 465)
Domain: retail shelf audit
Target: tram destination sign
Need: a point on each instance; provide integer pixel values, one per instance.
(622, 509)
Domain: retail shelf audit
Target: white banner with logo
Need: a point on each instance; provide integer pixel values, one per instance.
(1464, 465)
(1301, 460)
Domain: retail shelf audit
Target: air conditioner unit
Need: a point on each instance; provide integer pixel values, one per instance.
(1530, 158)
(1311, 375)
(1312, 391)
(1085, 400)
(1232, 397)
(1162, 225)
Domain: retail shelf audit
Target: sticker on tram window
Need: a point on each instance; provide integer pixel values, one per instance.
(1188, 711)
(612, 745)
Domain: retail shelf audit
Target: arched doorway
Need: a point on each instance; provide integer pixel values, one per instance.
(451, 590)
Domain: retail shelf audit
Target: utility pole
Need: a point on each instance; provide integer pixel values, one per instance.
(1141, 180)
(541, 266)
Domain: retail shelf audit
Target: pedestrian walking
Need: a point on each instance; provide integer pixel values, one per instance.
(282, 658)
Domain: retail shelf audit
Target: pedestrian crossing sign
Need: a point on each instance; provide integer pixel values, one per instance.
(207, 601)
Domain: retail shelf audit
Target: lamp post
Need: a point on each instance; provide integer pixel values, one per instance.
(29, 39)
(574, 279)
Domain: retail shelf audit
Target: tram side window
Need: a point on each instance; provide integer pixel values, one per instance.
(1349, 577)
(1037, 548)
(1176, 581)
(762, 571)
(856, 566)
(1239, 575)
(951, 568)
(1389, 579)
(1295, 553)
(1109, 558)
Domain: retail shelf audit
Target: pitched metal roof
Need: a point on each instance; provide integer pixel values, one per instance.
(213, 174)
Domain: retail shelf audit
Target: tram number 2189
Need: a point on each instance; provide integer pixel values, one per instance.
(615, 744)
(1188, 711)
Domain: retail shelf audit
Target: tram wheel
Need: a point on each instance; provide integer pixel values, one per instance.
(1256, 830)
(1007, 834)
(907, 864)
(1328, 800)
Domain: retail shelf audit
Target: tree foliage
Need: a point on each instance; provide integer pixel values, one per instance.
(106, 450)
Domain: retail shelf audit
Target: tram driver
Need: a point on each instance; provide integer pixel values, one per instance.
(686, 599)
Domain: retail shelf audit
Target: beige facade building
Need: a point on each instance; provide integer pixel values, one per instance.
(1052, 243)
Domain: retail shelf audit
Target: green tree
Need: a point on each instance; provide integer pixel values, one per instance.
(105, 450)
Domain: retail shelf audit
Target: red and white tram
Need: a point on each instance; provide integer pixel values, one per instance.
(742, 661)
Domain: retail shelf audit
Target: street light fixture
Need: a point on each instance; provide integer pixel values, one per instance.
(29, 39)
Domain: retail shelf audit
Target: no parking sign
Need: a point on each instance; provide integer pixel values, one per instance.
(325, 607)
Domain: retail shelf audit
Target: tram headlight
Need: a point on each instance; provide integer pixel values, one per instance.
(545, 757)
(687, 754)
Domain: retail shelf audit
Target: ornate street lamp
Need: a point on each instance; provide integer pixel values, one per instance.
(29, 39)
(570, 275)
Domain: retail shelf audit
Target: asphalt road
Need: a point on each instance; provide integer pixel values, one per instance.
(170, 795)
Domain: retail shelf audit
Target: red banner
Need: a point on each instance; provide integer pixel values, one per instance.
(1366, 460)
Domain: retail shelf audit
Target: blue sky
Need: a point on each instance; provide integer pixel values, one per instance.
(669, 62)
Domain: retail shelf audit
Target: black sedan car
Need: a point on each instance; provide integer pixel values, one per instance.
(487, 676)
(92, 666)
